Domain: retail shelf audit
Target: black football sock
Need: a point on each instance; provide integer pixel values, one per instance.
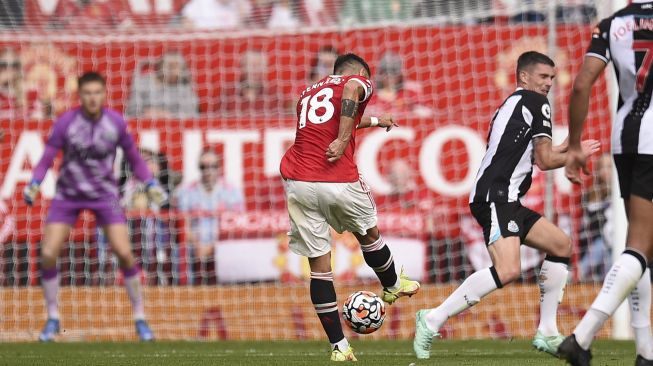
(378, 256)
(323, 296)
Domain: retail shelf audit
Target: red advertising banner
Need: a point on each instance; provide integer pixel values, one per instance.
(458, 74)
(437, 163)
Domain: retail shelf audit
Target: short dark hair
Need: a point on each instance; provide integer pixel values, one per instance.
(89, 77)
(530, 58)
(349, 59)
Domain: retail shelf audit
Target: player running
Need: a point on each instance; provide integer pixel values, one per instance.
(626, 39)
(520, 134)
(323, 189)
(89, 136)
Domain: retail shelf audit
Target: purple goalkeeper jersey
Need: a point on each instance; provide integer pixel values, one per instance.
(89, 150)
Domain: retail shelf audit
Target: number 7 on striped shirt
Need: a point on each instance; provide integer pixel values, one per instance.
(645, 67)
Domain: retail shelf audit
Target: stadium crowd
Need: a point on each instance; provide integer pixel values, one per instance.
(165, 86)
(275, 14)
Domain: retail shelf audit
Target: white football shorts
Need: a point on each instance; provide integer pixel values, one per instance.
(314, 206)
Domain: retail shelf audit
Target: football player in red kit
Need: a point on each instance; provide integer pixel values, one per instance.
(324, 189)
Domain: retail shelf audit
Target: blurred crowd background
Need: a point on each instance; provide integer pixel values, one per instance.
(37, 82)
(81, 15)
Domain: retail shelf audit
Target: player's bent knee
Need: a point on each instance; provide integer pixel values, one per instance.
(645, 250)
(563, 248)
(508, 273)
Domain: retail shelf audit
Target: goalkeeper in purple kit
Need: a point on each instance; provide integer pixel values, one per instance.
(89, 136)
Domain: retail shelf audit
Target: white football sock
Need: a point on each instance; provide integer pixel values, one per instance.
(342, 345)
(396, 286)
(552, 281)
(589, 326)
(619, 282)
(133, 286)
(468, 294)
(50, 292)
(640, 315)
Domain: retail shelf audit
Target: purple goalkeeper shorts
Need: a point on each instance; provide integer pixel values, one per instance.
(66, 212)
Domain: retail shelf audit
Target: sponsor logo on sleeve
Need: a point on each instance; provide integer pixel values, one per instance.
(546, 111)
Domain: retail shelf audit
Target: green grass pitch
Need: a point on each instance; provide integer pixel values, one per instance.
(485, 352)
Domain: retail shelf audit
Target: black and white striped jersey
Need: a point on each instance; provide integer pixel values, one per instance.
(506, 169)
(626, 39)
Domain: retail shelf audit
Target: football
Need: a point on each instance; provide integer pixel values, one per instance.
(364, 312)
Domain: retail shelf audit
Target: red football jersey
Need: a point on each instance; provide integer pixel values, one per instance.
(318, 122)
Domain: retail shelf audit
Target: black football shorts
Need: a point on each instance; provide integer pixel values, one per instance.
(635, 173)
(503, 219)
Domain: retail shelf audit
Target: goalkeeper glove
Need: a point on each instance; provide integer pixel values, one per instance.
(31, 191)
(156, 193)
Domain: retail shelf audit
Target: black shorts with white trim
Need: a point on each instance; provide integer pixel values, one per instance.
(503, 219)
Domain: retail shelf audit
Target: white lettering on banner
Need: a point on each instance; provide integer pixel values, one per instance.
(140, 6)
(30, 146)
(192, 145)
(274, 146)
(367, 156)
(431, 153)
(149, 139)
(233, 141)
(254, 222)
(48, 6)
(163, 6)
(29, 149)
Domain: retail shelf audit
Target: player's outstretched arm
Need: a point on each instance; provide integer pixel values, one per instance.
(384, 121)
(352, 92)
(38, 174)
(578, 107)
(563, 147)
(548, 157)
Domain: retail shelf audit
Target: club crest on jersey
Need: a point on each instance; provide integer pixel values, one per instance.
(512, 226)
